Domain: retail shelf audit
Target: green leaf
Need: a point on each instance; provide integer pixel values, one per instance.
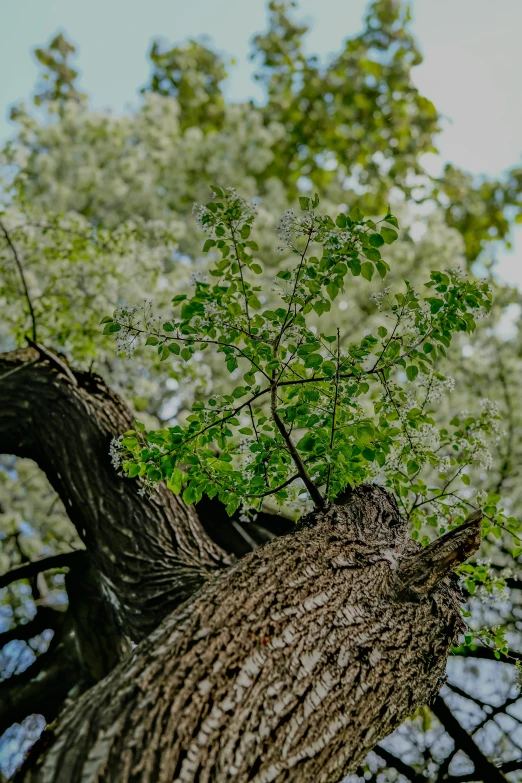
(465, 479)
(189, 495)
(389, 235)
(174, 348)
(372, 253)
(232, 506)
(367, 270)
(411, 372)
(356, 215)
(382, 331)
(222, 467)
(328, 368)
(313, 360)
(210, 243)
(256, 268)
(307, 443)
(382, 269)
(175, 482)
(107, 320)
(332, 290)
(110, 328)
(304, 203)
(435, 304)
(231, 363)
(245, 231)
(164, 353)
(376, 240)
(151, 340)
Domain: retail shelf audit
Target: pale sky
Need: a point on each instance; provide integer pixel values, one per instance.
(472, 69)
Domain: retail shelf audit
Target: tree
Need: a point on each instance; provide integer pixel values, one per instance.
(236, 645)
(122, 192)
(355, 532)
(58, 80)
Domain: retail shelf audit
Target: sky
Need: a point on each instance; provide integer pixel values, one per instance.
(471, 71)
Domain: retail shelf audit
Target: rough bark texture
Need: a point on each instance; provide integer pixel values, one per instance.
(151, 554)
(290, 666)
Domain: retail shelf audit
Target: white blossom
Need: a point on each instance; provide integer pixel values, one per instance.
(379, 297)
(116, 453)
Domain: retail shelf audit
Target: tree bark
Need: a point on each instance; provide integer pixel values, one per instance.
(151, 554)
(289, 667)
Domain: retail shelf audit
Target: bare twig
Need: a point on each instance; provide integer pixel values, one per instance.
(22, 277)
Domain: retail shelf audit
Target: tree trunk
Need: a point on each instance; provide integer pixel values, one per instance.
(288, 666)
(291, 666)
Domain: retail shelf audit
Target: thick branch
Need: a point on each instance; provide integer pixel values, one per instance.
(28, 570)
(487, 654)
(151, 553)
(399, 765)
(483, 766)
(41, 689)
(422, 572)
(45, 618)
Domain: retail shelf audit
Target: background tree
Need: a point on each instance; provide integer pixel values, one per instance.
(122, 193)
(58, 77)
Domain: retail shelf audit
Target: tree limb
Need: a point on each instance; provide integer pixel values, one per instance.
(399, 765)
(41, 689)
(483, 766)
(28, 570)
(151, 552)
(45, 618)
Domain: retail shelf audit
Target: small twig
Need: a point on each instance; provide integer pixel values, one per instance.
(17, 368)
(234, 241)
(273, 490)
(54, 360)
(312, 489)
(22, 276)
(332, 436)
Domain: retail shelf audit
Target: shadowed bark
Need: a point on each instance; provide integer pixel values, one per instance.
(291, 666)
(151, 553)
